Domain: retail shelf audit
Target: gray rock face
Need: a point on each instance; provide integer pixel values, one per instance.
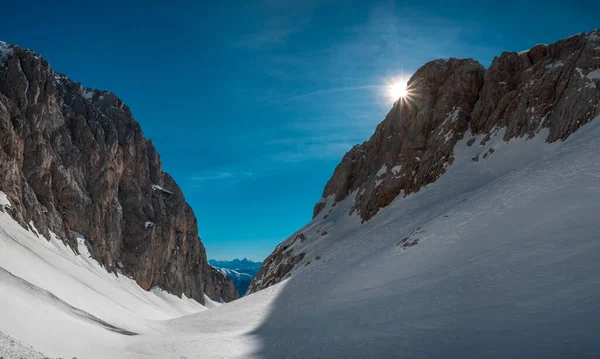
(549, 86)
(413, 145)
(276, 267)
(75, 160)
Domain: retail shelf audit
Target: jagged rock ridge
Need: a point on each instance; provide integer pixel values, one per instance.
(555, 87)
(74, 162)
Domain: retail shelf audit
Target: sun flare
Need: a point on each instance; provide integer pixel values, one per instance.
(397, 89)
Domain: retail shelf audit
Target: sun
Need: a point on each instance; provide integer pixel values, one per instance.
(397, 89)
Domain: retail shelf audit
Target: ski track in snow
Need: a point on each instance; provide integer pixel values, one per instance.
(506, 265)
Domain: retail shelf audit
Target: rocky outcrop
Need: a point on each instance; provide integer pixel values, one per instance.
(555, 87)
(547, 86)
(74, 162)
(413, 145)
(276, 267)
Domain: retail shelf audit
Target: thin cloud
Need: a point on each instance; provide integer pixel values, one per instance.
(333, 90)
(277, 156)
(265, 39)
(275, 32)
(217, 176)
(313, 151)
(220, 176)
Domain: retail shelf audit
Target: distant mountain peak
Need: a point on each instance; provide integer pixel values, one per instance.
(241, 272)
(235, 260)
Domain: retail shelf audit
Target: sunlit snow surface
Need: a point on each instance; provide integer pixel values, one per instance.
(506, 266)
(48, 294)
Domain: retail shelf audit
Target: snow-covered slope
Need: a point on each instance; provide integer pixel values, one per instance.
(496, 259)
(504, 264)
(58, 301)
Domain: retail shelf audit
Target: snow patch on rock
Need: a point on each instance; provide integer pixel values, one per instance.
(5, 50)
(80, 237)
(159, 188)
(4, 202)
(88, 94)
(594, 75)
(555, 65)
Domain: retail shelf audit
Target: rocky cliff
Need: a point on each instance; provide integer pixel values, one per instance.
(555, 87)
(75, 164)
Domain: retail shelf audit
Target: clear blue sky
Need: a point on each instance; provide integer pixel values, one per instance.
(252, 104)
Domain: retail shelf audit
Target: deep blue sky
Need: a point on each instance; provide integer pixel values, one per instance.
(252, 104)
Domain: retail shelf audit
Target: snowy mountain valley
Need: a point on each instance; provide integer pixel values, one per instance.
(466, 227)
